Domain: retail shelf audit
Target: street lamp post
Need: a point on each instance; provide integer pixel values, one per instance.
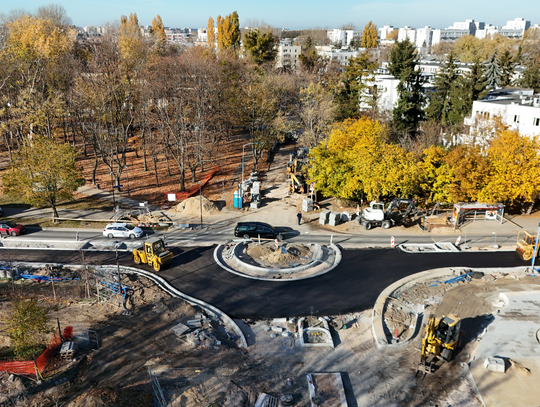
(248, 144)
(200, 201)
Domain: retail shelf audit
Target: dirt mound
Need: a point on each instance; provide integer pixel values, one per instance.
(192, 206)
(268, 255)
(109, 397)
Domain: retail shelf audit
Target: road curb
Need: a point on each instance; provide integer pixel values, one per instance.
(167, 287)
(377, 321)
(219, 249)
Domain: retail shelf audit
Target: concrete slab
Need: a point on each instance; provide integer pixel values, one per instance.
(512, 337)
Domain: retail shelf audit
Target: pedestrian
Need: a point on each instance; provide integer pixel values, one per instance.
(77, 236)
(299, 216)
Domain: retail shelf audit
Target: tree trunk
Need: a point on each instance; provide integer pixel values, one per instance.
(193, 172)
(182, 179)
(530, 208)
(54, 213)
(143, 139)
(155, 169)
(94, 170)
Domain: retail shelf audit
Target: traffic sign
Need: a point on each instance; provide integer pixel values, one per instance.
(458, 240)
(392, 241)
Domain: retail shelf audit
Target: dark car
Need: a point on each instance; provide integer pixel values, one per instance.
(11, 228)
(255, 229)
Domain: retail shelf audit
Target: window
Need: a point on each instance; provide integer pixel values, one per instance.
(536, 121)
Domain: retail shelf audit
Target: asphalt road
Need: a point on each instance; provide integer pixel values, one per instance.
(352, 286)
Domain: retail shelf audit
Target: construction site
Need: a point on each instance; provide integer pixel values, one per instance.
(142, 331)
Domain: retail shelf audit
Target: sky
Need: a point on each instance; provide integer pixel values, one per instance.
(293, 14)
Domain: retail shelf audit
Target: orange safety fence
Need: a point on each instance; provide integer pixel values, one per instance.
(180, 196)
(27, 367)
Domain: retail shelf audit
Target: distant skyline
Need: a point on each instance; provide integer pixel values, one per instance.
(295, 14)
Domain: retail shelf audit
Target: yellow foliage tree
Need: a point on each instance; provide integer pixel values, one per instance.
(220, 34)
(131, 42)
(470, 170)
(228, 34)
(158, 29)
(369, 36)
(435, 174)
(33, 39)
(211, 33)
(515, 169)
(357, 160)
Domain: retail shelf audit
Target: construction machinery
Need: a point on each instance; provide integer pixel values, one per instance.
(376, 215)
(526, 244)
(153, 253)
(295, 176)
(441, 339)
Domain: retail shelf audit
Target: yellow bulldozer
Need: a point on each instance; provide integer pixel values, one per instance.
(441, 339)
(153, 253)
(525, 245)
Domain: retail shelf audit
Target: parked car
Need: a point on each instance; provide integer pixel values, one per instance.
(255, 229)
(122, 230)
(11, 228)
(1, 212)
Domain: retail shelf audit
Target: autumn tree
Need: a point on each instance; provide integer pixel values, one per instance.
(260, 46)
(515, 169)
(531, 76)
(228, 32)
(357, 161)
(27, 325)
(32, 102)
(369, 36)
(211, 33)
(44, 173)
(316, 113)
(471, 170)
(158, 31)
(435, 175)
(133, 47)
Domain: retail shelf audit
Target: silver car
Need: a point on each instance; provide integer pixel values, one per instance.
(122, 230)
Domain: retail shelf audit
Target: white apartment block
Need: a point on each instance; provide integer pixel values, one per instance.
(424, 37)
(518, 108)
(341, 56)
(407, 33)
(287, 56)
(202, 35)
(342, 36)
(383, 32)
(452, 33)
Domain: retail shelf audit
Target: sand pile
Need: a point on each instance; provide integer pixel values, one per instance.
(269, 256)
(191, 206)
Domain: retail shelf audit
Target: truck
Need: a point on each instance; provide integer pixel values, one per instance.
(376, 215)
(153, 253)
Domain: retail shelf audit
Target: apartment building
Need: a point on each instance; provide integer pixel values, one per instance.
(518, 108)
(287, 56)
(343, 36)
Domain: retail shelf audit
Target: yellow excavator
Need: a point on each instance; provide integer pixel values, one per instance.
(525, 245)
(441, 339)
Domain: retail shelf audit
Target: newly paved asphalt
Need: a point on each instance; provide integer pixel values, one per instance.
(352, 286)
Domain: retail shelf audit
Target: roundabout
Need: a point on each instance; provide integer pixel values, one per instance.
(274, 262)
